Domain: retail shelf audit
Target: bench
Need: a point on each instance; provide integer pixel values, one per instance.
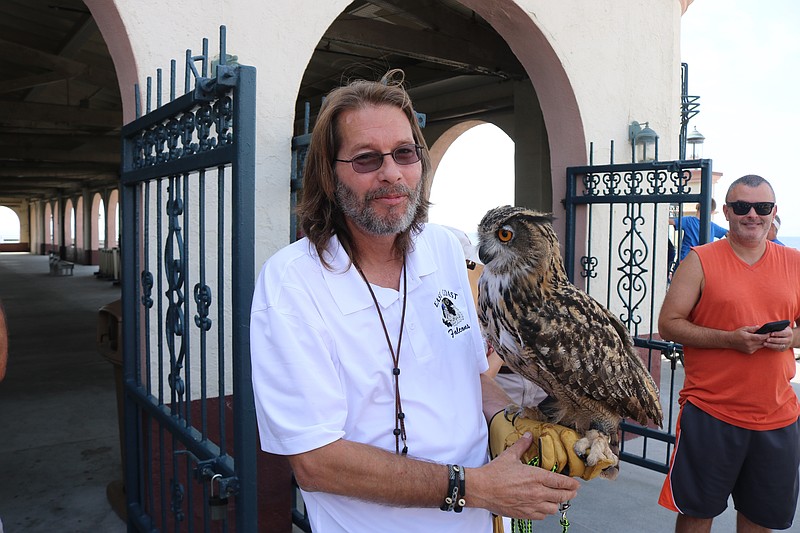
(54, 258)
(59, 267)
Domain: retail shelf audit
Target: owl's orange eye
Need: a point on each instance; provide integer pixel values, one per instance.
(504, 234)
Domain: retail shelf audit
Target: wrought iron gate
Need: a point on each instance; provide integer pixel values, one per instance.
(618, 217)
(187, 195)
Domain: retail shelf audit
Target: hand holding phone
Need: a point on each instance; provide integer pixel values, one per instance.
(769, 327)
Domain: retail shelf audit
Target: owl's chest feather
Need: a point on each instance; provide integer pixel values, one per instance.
(506, 313)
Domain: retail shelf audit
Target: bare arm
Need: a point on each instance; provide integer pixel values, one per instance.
(505, 486)
(684, 293)
(372, 474)
(494, 397)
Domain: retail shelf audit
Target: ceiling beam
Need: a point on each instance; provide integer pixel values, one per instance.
(13, 198)
(19, 54)
(105, 78)
(35, 154)
(29, 82)
(35, 115)
(64, 139)
(476, 95)
(438, 16)
(484, 54)
(81, 32)
(21, 183)
(67, 170)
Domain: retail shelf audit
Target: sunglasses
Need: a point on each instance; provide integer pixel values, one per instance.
(407, 154)
(742, 208)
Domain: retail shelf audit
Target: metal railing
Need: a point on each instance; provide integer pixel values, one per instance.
(187, 207)
(617, 250)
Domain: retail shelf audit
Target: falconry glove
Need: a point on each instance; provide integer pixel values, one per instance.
(553, 445)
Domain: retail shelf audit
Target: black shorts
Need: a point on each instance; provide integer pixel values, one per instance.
(714, 459)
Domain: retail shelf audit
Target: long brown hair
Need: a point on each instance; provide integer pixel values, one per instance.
(320, 216)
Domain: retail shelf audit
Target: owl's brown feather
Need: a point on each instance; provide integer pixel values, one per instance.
(554, 334)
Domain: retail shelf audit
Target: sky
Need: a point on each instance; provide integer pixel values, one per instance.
(462, 171)
(9, 225)
(744, 64)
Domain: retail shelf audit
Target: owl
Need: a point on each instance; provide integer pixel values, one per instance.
(557, 336)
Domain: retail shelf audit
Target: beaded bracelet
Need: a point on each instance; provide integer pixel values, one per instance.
(454, 500)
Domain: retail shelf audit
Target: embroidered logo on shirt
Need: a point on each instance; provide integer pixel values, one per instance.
(452, 317)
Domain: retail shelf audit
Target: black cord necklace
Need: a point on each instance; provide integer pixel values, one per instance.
(400, 417)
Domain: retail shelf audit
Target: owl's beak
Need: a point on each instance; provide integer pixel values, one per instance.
(484, 254)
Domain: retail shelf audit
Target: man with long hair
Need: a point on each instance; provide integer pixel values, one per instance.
(367, 357)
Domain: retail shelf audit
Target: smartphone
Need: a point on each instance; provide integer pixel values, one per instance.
(769, 327)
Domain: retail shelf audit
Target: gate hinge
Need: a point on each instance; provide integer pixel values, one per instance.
(207, 89)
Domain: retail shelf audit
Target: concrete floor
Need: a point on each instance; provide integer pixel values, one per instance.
(58, 421)
(59, 447)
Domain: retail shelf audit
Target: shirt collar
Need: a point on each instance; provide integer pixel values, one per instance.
(348, 288)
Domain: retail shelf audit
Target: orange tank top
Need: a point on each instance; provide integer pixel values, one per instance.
(752, 391)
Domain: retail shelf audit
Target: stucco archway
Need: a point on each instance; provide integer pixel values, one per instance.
(565, 133)
(524, 80)
(55, 226)
(94, 216)
(69, 223)
(80, 217)
(115, 34)
(112, 220)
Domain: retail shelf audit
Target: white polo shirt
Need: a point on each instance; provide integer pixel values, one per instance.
(322, 371)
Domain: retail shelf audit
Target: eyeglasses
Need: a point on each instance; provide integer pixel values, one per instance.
(407, 154)
(742, 208)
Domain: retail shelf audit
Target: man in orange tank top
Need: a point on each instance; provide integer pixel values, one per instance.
(737, 402)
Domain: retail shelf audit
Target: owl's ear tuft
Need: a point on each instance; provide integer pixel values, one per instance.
(537, 218)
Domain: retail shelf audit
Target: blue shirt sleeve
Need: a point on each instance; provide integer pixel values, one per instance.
(718, 231)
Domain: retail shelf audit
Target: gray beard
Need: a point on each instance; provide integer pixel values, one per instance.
(362, 214)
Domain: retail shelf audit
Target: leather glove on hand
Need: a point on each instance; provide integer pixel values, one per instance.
(554, 445)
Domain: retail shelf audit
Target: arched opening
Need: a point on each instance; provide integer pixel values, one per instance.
(511, 77)
(54, 225)
(69, 223)
(101, 225)
(48, 226)
(69, 231)
(562, 136)
(68, 96)
(79, 236)
(112, 240)
(117, 224)
(475, 174)
(9, 226)
(94, 222)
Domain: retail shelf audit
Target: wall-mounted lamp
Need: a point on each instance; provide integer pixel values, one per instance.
(696, 139)
(644, 137)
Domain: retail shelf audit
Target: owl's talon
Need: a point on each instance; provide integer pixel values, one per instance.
(594, 446)
(514, 411)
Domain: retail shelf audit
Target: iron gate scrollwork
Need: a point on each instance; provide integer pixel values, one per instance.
(188, 217)
(618, 216)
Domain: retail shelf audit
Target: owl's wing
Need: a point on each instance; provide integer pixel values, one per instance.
(571, 339)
